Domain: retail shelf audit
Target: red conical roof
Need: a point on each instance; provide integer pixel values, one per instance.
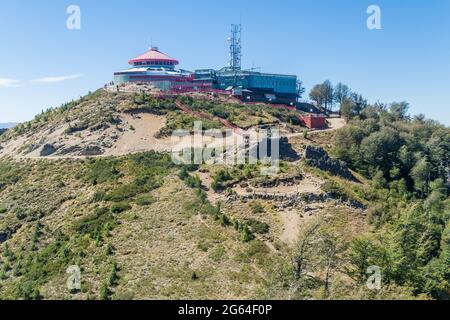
(153, 55)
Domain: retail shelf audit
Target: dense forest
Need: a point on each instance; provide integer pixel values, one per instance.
(407, 160)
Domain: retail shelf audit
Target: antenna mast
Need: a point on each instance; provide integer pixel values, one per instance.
(235, 46)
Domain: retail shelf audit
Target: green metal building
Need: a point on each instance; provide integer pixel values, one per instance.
(253, 86)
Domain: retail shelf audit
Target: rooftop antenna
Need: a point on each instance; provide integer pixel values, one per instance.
(254, 68)
(235, 46)
(153, 47)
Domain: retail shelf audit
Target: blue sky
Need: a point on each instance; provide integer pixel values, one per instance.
(43, 64)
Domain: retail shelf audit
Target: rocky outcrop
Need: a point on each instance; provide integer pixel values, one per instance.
(2, 131)
(3, 236)
(285, 151)
(319, 158)
(288, 153)
(7, 233)
(47, 150)
(81, 150)
(91, 151)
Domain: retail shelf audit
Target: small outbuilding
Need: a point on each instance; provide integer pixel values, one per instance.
(314, 121)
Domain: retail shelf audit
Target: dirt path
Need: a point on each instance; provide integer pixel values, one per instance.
(141, 136)
(291, 219)
(334, 124)
(137, 136)
(291, 226)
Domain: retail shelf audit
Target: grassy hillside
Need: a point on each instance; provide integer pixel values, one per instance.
(137, 227)
(102, 122)
(132, 226)
(141, 227)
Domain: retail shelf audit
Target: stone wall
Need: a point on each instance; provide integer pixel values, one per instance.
(295, 200)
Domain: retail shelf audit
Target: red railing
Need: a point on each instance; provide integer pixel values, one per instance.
(275, 106)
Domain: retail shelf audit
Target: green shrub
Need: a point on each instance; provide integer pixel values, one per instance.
(9, 174)
(6, 252)
(109, 249)
(113, 277)
(335, 190)
(216, 186)
(219, 180)
(120, 207)
(218, 253)
(103, 170)
(96, 224)
(202, 197)
(27, 291)
(224, 220)
(184, 173)
(48, 262)
(145, 200)
(21, 214)
(256, 248)
(6, 267)
(36, 235)
(246, 234)
(98, 196)
(124, 192)
(104, 292)
(193, 182)
(257, 226)
(256, 207)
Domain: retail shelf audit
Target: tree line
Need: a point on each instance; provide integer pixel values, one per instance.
(407, 161)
